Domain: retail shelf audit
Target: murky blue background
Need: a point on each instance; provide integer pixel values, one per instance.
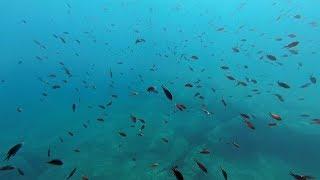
(173, 32)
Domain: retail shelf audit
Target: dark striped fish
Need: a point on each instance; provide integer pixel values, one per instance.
(13, 151)
(72, 173)
(177, 173)
(167, 93)
(56, 162)
(201, 166)
(21, 173)
(224, 173)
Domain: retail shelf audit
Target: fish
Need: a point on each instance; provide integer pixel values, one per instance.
(153, 165)
(109, 104)
(254, 81)
(133, 118)
(85, 125)
(301, 177)
(292, 44)
(56, 162)
(20, 172)
(204, 151)
(315, 121)
(152, 89)
(73, 107)
(142, 120)
(224, 102)
(101, 106)
(19, 109)
(165, 140)
(190, 68)
(67, 71)
(201, 97)
(231, 78)
(220, 29)
(122, 134)
(275, 116)
(13, 151)
(235, 49)
(39, 44)
(188, 85)
(283, 84)
(70, 133)
(272, 124)
(100, 119)
(292, 36)
(241, 83)
(304, 115)
(72, 173)
(194, 57)
(56, 87)
(298, 16)
(305, 85)
(279, 97)
(7, 168)
(249, 124)
(313, 79)
(52, 75)
(206, 111)
(201, 166)
(134, 93)
(271, 57)
(39, 58)
(181, 107)
(142, 127)
(244, 116)
(167, 93)
(177, 173)
(76, 150)
(224, 67)
(62, 40)
(61, 140)
(236, 145)
(140, 41)
(224, 173)
(85, 178)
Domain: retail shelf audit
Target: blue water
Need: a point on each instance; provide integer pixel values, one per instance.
(92, 38)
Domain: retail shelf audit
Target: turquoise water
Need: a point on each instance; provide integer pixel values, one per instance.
(154, 43)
